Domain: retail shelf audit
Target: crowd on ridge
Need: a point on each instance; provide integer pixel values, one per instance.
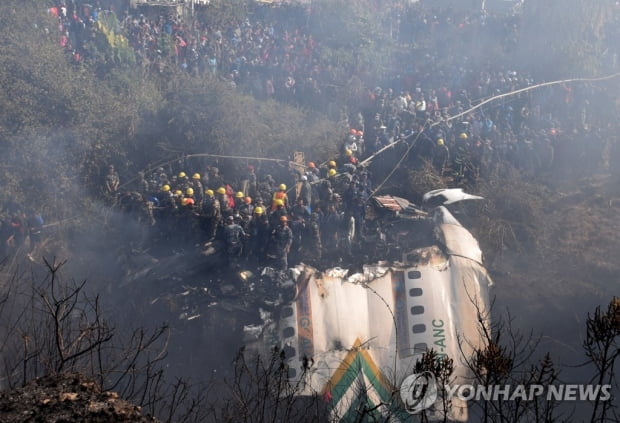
(413, 101)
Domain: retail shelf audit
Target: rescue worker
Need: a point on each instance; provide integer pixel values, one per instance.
(280, 194)
(166, 203)
(312, 173)
(233, 238)
(298, 227)
(246, 209)
(164, 213)
(348, 158)
(282, 240)
(211, 214)
(330, 227)
(189, 220)
(275, 215)
(196, 185)
(331, 165)
(239, 200)
(222, 197)
(182, 181)
(331, 175)
(311, 241)
(326, 193)
(305, 191)
(260, 232)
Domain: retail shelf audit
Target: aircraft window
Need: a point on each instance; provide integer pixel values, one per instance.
(420, 347)
(415, 292)
(414, 274)
(292, 373)
(420, 328)
(415, 310)
(289, 351)
(287, 312)
(288, 332)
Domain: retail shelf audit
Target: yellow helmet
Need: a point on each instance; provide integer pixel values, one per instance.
(209, 192)
(440, 141)
(258, 210)
(348, 152)
(182, 175)
(165, 188)
(331, 163)
(196, 176)
(189, 191)
(178, 193)
(239, 195)
(463, 136)
(221, 190)
(332, 172)
(282, 187)
(278, 202)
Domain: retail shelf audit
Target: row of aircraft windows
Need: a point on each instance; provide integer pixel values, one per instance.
(417, 310)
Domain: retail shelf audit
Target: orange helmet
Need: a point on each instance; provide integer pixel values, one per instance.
(311, 165)
(248, 200)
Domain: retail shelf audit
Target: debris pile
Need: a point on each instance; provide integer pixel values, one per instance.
(67, 398)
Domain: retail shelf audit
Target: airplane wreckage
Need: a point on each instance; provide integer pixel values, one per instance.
(347, 332)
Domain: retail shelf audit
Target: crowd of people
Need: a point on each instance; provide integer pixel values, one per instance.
(424, 105)
(414, 100)
(259, 220)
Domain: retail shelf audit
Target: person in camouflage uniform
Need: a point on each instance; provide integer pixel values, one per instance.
(234, 236)
(311, 241)
(282, 239)
(211, 214)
